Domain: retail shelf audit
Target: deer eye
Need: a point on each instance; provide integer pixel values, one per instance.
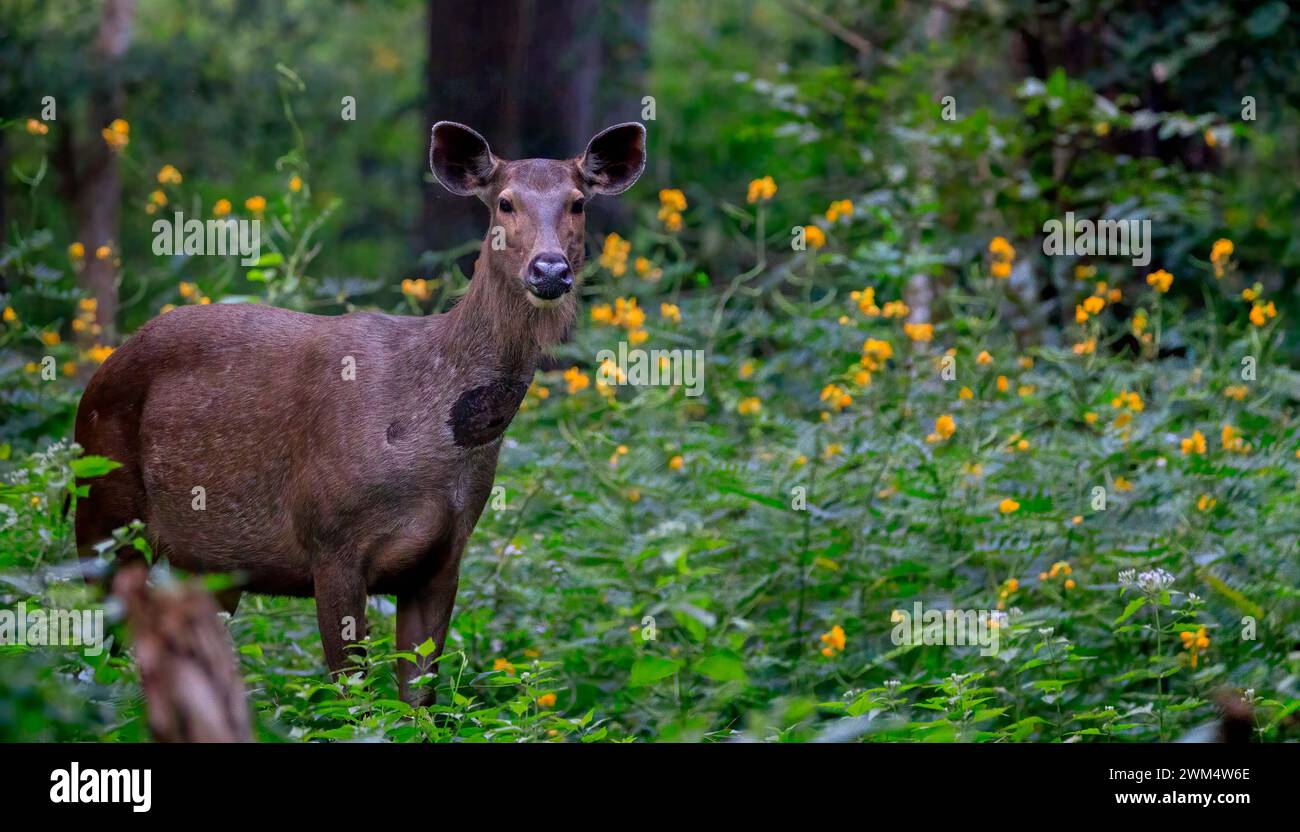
(577, 206)
(505, 207)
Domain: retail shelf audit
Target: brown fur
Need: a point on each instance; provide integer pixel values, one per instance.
(317, 485)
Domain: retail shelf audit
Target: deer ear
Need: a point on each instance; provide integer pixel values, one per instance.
(614, 159)
(460, 158)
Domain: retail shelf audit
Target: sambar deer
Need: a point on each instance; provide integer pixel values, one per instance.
(322, 482)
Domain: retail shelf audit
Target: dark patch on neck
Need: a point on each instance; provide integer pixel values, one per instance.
(395, 431)
(481, 415)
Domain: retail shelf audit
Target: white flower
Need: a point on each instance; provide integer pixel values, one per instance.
(1154, 581)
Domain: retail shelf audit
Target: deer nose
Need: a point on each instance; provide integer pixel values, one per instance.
(549, 276)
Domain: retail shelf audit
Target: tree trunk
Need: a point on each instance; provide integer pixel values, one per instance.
(96, 185)
(537, 79)
(187, 663)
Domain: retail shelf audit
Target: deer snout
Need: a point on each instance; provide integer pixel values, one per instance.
(549, 276)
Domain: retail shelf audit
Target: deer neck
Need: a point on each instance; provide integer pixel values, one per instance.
(496, 326)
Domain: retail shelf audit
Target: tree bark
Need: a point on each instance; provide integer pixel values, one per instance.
(187, 663)
(537, 79)
(96, 184)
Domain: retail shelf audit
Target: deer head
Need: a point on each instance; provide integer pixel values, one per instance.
(538, 205)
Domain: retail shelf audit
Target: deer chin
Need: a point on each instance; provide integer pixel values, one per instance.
(543, 303)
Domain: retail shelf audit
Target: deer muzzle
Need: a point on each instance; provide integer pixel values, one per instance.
(549, 276)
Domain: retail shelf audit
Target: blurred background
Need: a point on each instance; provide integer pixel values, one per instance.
(829, 97)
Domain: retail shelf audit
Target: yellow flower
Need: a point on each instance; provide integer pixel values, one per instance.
(1206, 502)
(50, 338)
(672, 199)
(984, 358)
(965, 393)
(801, 460)
(834, 640)
(896, 309)
(1194, 643)
(1000, 248)
(295, 184)
(837, 397)
(633, 495)
(614, 253)
(1087, 347)
(1003, 384)
(866, 300)
(1082, 272)
(576, 379)
(1094, 304)
(158, 198)
(1122, 484)
(418, 288)
(76, 251)
(103, 253)
(117, 134)
(1220, 252)
(944, 427)
(637, 336)
(646, 269)
(672, 202)
(749, 406)
(1139, 323)
(1194, 444)
(255, 204)
(1161, 280)
(169, 176)
(1003, 256)
(1232, 441)
(546, 700)
(1101, 128)
(1261, 312)
(746, 370)
(1008, 506)
(503, 666)
(37, 128)
(814, 235)
(1077, 519)
(1249, 294)
(919, 332)
(1090, 417)
(187, 290)
(839, 208)
(69, 368)
(10, 316)
(221, 208)
(875, 353)
(832, 450)
(761, 190)
(99, 353)
(1236, 391)
(1130, 400)
(676, 463)
(670, 312)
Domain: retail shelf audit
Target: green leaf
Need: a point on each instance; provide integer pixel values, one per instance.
(722, 666)
(1133, 606)
(92, 466)
(425, 648)
(650, 669)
